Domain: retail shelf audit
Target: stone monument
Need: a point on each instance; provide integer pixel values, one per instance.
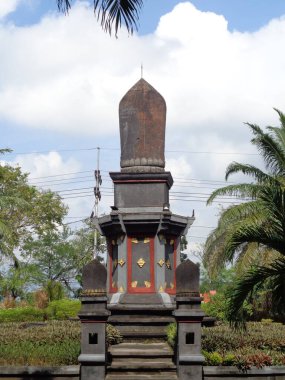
(143, 238)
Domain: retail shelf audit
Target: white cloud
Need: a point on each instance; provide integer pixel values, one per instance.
(179, 166)
(64, 74)
(45, 165)
(7, 7)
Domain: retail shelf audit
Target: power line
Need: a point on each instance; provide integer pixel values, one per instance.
(117, 149)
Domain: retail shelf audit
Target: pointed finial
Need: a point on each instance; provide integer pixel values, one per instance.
(141, 70)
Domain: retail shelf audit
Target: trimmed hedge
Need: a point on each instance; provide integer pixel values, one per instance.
(262, 344)
(22, 314)
(63, 309)
(45, 344)
(59, 310)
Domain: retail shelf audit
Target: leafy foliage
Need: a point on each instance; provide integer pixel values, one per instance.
(254, 231)
(112, 13)
(171, 332)
(52, 343)
(63, 309)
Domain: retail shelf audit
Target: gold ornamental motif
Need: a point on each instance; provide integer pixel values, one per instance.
(134, 284)
(135, 241)
(121, 289)
(160, 262)
(146, 240)
(115, 263)
(172, 242)
(113, 284)
(113, 242)
(141, 262)
(168, 264)
(147, 284)
(121, 262)
(161, 290)
(171, 285)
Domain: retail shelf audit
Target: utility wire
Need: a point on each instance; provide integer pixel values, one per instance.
(117, 149)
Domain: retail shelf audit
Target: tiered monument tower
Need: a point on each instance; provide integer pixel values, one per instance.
(145, 287)
(143, 234)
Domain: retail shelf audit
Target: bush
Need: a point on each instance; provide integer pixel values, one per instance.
(50, 343)
(113, 335)
(171, 332)
(63, 309)
(216, 307)
(213, 358)
(23, 314)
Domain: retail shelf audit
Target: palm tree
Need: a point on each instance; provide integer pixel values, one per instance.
(112, 12)
(255, 228)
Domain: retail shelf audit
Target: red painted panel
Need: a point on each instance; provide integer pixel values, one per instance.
(151, 289)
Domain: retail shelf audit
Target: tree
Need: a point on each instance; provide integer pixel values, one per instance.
(52, 258)
(57, 257)
(255, 227)
(24, 210)
(25, 213)
(112, 13)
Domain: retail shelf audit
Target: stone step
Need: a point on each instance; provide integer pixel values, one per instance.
(141, 330)
(141, 319)
(163, 375)
(138, 364)
(141, 350)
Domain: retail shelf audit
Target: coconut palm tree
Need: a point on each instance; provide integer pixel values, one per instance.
(112, 13)
(256, 227)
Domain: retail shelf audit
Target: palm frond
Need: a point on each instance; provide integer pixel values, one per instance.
(5, 150)
(243, 190)
(281, 117)
(253, 278)
(64, 5)
(116, 12)
(272, 152)
(249, 170)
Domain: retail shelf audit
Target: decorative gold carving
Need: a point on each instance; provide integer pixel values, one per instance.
(135, 241)
(134, 284)
(172, 242)
(113, 242)
(168, 264)
(146, 240)
(160, 262)
(115, 263)
(93, 292)
(147, 284)
(161, 289)
(121, 289)
(141, 262)
(113, 284)
(121, 262)
(171, 285)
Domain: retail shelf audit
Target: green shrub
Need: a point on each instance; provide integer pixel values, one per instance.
(63, 309)
(171, 332)
(113, 335)
(213, 358)
(229, 360)
(21, 314)
(216, 307)
(49, 343)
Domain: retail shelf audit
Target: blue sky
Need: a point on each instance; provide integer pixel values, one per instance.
(242, 15)
(217, 63)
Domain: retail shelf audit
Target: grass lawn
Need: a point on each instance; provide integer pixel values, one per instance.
(58, 343)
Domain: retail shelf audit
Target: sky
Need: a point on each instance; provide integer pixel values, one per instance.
(217, 63)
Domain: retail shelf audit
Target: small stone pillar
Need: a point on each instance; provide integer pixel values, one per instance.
(93, 316)
(189, 317)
